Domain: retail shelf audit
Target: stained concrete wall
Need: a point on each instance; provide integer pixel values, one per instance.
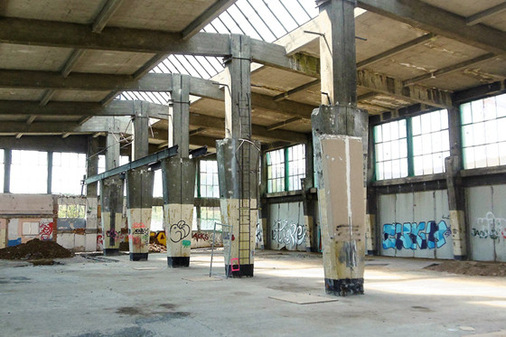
(415, 225)
(486, 219)
(286, 226)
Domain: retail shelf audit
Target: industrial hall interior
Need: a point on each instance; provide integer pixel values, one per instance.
(252, 167)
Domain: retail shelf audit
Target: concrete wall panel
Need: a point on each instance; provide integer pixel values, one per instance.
(286, 226)
(486, 218)
(26, 204)
(415, 225)
(386, 216)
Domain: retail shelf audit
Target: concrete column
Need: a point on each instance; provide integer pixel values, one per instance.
(238, 159)
(179, 179)
(91, 195)
(456, 192)
(111, 199)
(340, 142)
(371, 237)
(139, 191)
(308, 202)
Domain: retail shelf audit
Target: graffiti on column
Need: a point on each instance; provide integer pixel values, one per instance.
(422, 235)
(139, 234)
(46, 231)
(490, 227)
(289, 234)
(200, 236)
(259, 234)
(179, 231)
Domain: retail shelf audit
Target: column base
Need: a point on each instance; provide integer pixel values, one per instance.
(138, 256)
(245, 270)
(178, 261)
(460, 257)
(111, 252)
(372, 252)
(344, 287)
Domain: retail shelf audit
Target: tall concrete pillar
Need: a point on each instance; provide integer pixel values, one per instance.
(238, 163)
(139, 191)
(307, 201)
(456, 192)
(179, 179)
(340, 141)
(111, 199)
(91, 196)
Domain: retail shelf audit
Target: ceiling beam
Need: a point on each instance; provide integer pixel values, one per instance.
(89, 109)
(290, 108)
(449, 69)
(283, 123)
(487, 13)
(275, 56)
(393, 87)
(97, 124)
(203, 19)
(432, 19)
(78, 36)
(293, 91)
(105, 15)
(394, 51)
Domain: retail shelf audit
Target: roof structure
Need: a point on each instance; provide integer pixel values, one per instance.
(62, 62)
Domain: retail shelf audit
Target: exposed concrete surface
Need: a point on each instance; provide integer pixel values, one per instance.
(106, 297)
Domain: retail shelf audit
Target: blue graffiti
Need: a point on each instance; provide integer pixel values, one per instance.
(422, 235)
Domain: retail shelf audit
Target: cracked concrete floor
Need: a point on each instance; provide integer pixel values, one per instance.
(116, 297)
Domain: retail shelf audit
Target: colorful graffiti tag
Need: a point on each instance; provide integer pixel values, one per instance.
(288, 234)
(139, 234)
(46, 231)
(200, 236)
(490, 227)
(422, 235)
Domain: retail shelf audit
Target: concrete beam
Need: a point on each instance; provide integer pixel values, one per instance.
(71, 35)
(105, 15)
(96, 124)
(393, 87)
(432, 19)
(116, 108)
(487, 13)
(395, 50)
(203, 19)
(291, 108)
(450, 69)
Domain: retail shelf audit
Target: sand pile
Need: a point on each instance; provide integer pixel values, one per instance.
(35, 250)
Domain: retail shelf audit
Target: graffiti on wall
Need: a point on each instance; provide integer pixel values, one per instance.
(490, 227)
(46, 231)
(288, 234)
(259, 235)
(412, 235)
(200, 236)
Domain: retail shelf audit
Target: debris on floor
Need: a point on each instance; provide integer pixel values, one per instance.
(473, 268)
(35, 250)
(157, 248)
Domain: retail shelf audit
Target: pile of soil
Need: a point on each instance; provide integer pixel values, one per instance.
(35, 250)
(474, 268)
(157, 248)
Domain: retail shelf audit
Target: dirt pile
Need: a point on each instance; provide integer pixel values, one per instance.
(35, 250)
(474, 268)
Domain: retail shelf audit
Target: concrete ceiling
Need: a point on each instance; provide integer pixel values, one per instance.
(407, 53)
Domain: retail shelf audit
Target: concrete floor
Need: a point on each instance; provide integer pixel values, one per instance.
(85, 297)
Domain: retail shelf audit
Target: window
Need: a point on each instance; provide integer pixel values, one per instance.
(296, 166)
(2, 170)
(285, 168)
(391, 150)
(275, 171)
(209, 187)
(158, 184)
(71, 211)
(29, 172)
(431, 142)
(483, 132)
(208, 216)
(68, 171)
(157, 218)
